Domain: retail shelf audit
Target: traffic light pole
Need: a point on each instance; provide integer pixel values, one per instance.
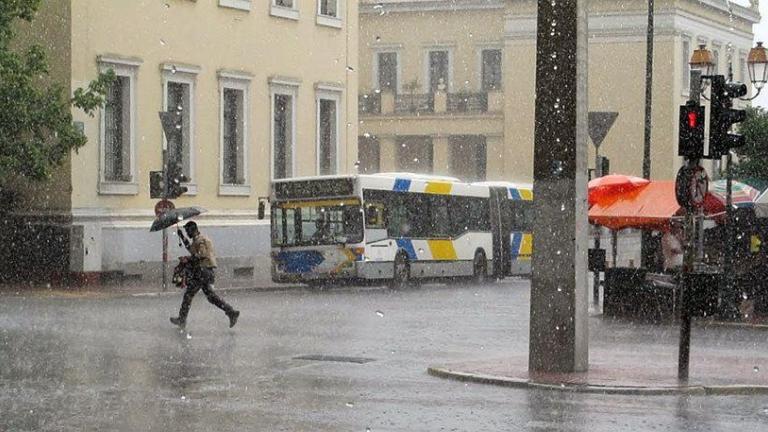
(684, 347)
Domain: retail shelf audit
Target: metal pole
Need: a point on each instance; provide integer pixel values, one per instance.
(614, 247)
(729, 297)
(684, 349)
(645, 238)
(165, 232)
(648, 94)
(597, 230)
(730, 303)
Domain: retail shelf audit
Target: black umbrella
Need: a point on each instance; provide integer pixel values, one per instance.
(174, 216)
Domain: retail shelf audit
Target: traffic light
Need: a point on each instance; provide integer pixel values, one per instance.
(156, 184)
(691, 140)
(722, 116)
(175, 178)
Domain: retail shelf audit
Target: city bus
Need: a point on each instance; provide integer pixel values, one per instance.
(397, 228)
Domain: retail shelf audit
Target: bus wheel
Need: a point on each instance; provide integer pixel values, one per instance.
(479, 267)
(402, 272)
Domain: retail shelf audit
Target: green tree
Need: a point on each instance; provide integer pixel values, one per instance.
(36, 128)
(753, 156)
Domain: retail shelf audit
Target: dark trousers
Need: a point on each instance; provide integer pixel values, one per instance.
(202, 279)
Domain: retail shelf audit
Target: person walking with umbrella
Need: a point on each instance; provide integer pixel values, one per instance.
(203, 261)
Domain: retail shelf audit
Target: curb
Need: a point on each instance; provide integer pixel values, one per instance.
(727, 324)
(693, 390)
(173, 291)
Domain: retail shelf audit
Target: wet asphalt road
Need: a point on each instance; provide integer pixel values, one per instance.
(78, 364)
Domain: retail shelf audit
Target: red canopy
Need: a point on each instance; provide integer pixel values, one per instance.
(650, 207)
(605, 187)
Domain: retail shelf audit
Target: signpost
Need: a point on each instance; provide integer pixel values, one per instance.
(161, 207)
(171, 122)
(598, 125)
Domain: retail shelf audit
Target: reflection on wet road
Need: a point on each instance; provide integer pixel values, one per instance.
(117, 364)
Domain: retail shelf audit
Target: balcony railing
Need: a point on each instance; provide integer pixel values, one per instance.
(467, 102)
(414, 103)
(377, 103)
(369, 103)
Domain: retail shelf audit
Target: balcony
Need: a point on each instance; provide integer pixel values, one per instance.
(467, 102)
(440, 102)
(414, 103)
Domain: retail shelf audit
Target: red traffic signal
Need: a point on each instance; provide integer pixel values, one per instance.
(693, 119)
(691, 139)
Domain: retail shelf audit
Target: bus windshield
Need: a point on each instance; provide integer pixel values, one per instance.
(317, 223)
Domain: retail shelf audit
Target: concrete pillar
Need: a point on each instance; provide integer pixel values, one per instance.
(494, 147)
(387, 102)
(387, 153)
(558, 330)
(441, 156)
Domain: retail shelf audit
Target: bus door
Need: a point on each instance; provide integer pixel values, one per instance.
(501, 229)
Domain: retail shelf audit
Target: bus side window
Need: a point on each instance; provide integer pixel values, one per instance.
(397, 220)
(459, 215)
(440, 223)
(479, 215)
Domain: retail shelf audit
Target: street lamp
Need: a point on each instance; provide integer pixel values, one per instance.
(702, 60)
(757, 63)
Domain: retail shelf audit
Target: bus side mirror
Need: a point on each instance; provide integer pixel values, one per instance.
(262, 208)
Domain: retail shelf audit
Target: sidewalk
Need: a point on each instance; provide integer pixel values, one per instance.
(625, 361)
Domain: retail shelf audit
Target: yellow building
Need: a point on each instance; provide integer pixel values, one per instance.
(266, 88)
(448, 86)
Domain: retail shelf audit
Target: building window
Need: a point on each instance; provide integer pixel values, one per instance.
(118, 126)
(387, 71)
(117, 131)
(327, 133)
(491, 69)
(414, 154)
(686, 66)
(468, 157)
(234, 134)
(285, 9)
(283, 128)
(328, 13)
(369, 155)
(329, 8)
(178, 98)
(236, 4)
(439, 69)
(716, 60)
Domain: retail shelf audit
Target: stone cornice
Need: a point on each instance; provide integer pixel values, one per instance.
(632, 25)
(399, 6)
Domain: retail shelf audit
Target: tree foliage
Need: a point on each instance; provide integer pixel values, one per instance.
(753, 156)
(36, 128)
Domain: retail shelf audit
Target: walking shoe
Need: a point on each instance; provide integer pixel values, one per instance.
(233, 318)
(178, 321)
